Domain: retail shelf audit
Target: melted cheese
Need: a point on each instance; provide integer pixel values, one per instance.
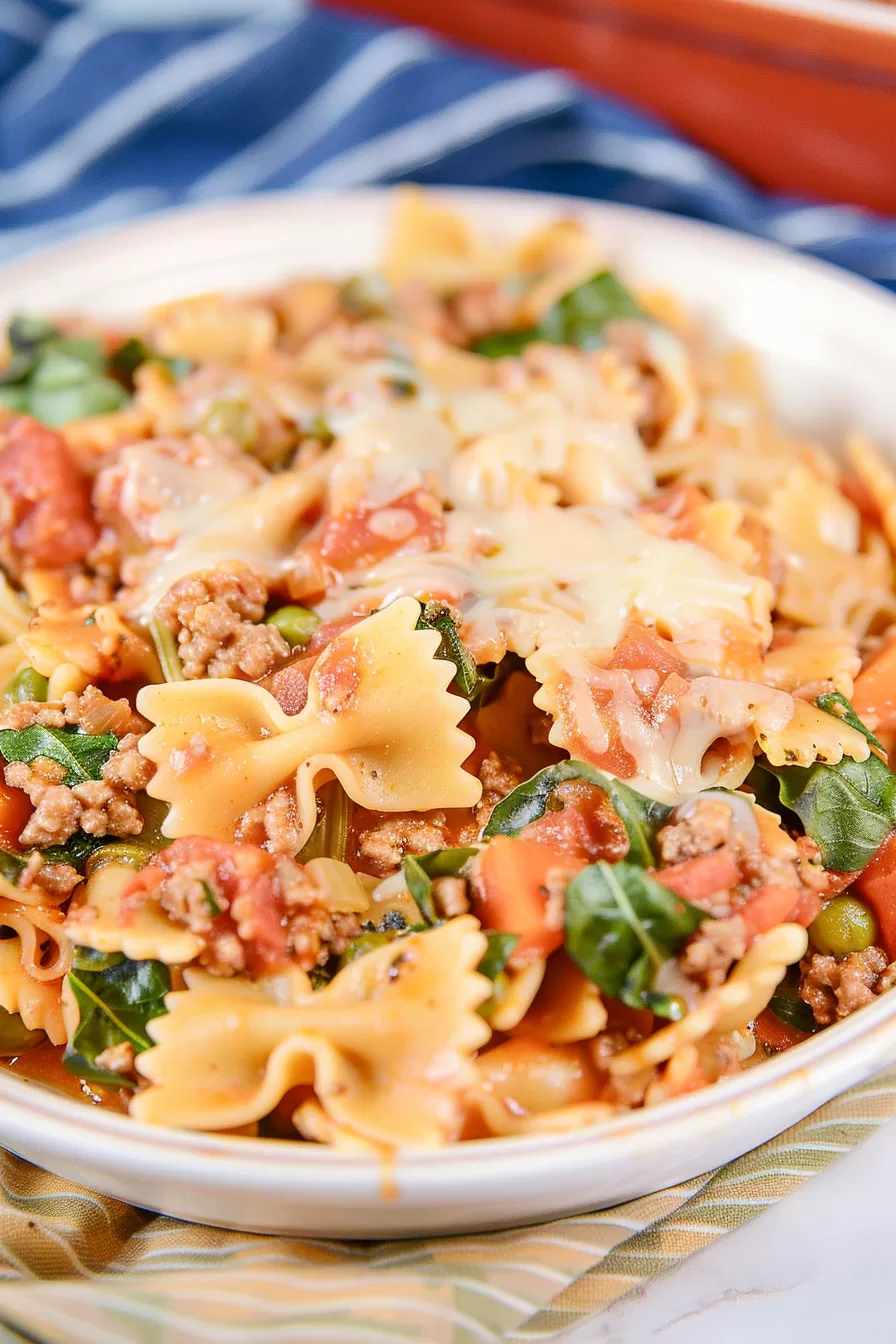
(531, 577)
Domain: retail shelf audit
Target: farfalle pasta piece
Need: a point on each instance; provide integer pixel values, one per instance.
(260, 529)
(550, 458)
(214, 327)
(15, 613)
(567, 1008)
(812, 735)
(518, 994)
(387, 1044)
(379, 718)
(38, 1002)
(666, 735)
(731, 1007)
(526, 1086)
(140, 929)
(813, 656)
(95, 640)
(44, 947)
(878, 478)
(433, 244)
(830, 570)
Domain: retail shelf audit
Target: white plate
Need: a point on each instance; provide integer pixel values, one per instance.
(826, 341)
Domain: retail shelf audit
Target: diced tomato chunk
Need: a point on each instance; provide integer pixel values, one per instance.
(586, 827)
(874, 694)
(640, 648)
(243, 874)
(510, 894)
(770, 906)
(47, 520)
(697, 879)
(877, 886)
(359, 538)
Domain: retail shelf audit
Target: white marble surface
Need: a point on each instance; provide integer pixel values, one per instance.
(819, 1266)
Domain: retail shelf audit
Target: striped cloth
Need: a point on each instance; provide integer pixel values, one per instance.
(80, 1268)
(113, 108)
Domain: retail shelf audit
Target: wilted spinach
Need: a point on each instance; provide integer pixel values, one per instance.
(640, 816)
(577, 318)
(621, 926)
(116, 999)
(848, 809)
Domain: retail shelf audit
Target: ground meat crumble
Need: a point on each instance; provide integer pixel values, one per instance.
(251, 911)
(707, 828)
(834, 989)
(98, 807)
(217, 618)
(713, 950)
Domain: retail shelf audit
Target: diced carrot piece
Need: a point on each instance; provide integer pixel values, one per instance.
(15, 811)
(874, 694)
(510, 895)
(697, 879)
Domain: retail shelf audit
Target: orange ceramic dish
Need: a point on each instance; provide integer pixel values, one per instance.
(799, 94)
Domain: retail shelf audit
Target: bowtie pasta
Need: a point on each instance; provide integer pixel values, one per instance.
(439, 703)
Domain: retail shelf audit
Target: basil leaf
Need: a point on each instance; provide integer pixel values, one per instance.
(640, 816)
(116, 999)
(500, 946)
(621, 926)
(82, 755)
(848, 809)
(577, 319)
(420, 869)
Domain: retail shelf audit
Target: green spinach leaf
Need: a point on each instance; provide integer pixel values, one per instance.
(848, 809)
(471, 685)
(787, 1005)
(56, 378)
(577, 319)
(116, 998)
(82, 755)
(126, 360)
(500, 946)
(640, 816)
(420, 869)
(621, 926)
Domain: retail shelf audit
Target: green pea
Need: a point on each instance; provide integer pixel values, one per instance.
(15, 1037)
(26, 684)
(231, 420)
(845, 925)
(296, 625)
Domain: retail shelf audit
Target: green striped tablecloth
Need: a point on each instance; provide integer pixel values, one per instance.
(76, 1266)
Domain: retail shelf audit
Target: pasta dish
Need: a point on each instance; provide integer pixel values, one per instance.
(440, 703)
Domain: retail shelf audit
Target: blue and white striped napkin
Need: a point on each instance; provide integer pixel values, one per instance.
(118, 107)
